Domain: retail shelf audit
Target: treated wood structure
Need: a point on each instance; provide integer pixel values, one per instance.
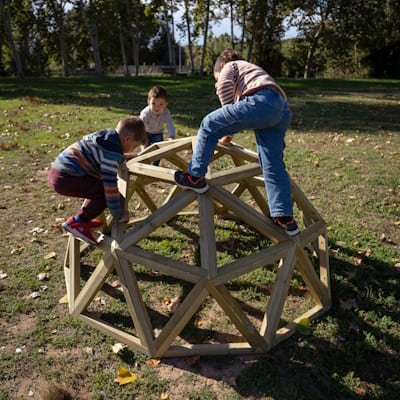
(308, 252)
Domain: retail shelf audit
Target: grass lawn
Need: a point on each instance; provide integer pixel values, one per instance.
(343, 151)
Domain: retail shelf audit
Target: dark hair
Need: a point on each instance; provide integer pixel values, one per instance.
(158, 92)
(132, 126)
(226, 56)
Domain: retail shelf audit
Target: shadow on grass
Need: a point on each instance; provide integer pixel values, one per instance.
(353, 352)
(314, 103)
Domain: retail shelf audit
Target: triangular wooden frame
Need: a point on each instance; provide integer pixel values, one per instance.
(120, 250)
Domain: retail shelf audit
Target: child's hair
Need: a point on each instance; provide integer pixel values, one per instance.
(158, 92)
(226, 56)
(132, 126)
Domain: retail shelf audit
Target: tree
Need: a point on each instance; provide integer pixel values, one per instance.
(121, 39)
(6, 17)
(311, 17)
(202, 15)
(92, 30)
(266, 27)
(52, 13)
(187, 24)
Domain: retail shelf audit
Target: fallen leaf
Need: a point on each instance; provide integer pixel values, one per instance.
(115, 283)
(164, 396)
(118, 347)
(43, 276)
(198, 323)
(50, 255)
(174, 304)
(359, 391)
(153, 362)
(124, 376)
(156, 332)
(63, 300)
(304, 326)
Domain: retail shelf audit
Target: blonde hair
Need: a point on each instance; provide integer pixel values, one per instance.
(134, 127)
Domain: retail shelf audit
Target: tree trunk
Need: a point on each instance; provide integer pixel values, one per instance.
(168, 32)
(187, 19)
(244, 11)
(314, 41)
(94, 39)
(207, 21)
(121, 41)
(134, 31)
(59, 14)
(232, 18)
(311, 50)
(7, 22)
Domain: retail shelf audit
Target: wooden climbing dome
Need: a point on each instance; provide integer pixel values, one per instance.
(236, 192)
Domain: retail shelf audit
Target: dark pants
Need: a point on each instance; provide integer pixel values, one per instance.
(87, 187)
(154, 138)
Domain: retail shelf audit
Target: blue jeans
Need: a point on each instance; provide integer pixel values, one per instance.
(267, 112)
(154, 138)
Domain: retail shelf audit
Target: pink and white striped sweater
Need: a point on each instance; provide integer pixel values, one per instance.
(241, 78)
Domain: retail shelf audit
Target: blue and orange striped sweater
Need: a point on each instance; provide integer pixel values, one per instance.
(99, 155)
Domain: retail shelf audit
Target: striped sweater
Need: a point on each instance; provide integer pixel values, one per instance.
(99, 155)
(241, 78)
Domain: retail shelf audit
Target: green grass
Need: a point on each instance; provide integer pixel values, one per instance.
(342, 151)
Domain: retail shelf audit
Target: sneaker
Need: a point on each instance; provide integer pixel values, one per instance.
(186, 181)
(79, 229)
(95, 223)
(287, 223)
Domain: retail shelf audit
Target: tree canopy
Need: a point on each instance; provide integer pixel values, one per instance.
(335, 38)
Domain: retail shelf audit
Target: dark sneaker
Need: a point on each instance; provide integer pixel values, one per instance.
(287, 223)
(80, 230)
(186, 181)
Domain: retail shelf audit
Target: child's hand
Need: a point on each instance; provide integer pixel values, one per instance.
(129, 156)
(225, 140)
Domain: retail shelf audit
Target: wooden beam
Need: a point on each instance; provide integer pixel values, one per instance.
(181, 317)
(74, 271)
(324, 269)
(318, 291)
(236, 315)
(249, 215)
(175, 268)
(278, 297)
(164, 150)
(236, 174)
(160, 216)
(108, 329)
(249, 263)
(134, 301)
(94, 283)
(208, 249)
(159, 173)
(288, 330)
